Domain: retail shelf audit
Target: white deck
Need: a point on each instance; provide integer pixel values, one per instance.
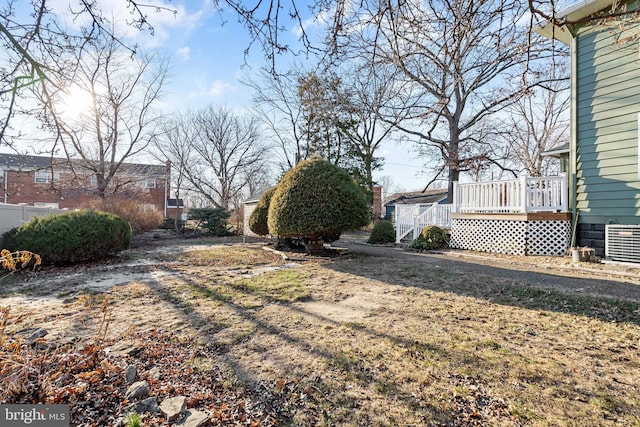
(514, 196)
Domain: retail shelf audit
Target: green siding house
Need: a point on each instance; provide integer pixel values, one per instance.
(603, 167)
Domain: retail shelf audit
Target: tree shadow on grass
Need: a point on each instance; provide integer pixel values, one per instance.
(346, 378)
(518, 286)
(331, 387)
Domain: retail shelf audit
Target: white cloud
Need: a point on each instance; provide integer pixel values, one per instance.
(314, 22)
(219, 88)
(184, 53)
(168, 22)
(215, 89)
(164, 16)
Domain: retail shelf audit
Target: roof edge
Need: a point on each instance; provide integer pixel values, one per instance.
(575, 13)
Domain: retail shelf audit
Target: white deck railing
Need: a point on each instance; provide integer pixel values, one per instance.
(522, 195)
(405, 215)
(411, 219)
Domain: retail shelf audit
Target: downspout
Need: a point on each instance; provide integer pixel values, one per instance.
(6, 186)
(167, 177)
(573, 131)
(166, 195)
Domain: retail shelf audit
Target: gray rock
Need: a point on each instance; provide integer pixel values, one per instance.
(32, 334)
(121, 421)
(155, 374)
(193, 418)
(136, 391)
(173, 407)
(123, 349)
(150, 404)
(130, 374)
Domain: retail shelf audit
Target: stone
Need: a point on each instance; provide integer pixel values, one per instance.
(123, 349)
(193, 418)
(173, 407)
(130, 374)
(150, 404)
(32, 334)
(154, 373)
(136, 391)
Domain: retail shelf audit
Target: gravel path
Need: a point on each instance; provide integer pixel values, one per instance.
(619, 281)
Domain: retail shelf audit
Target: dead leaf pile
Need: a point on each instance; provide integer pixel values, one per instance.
(91, 380)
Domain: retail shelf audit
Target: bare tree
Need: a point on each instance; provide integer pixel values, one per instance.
(276, 103)
(454, 58)
(221, 155)
(41, 51)
(120, 121)
(371, 92)
(173, 145)
(340, 118)
(537, 123)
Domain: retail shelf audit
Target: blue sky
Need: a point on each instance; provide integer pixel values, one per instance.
(208, 60)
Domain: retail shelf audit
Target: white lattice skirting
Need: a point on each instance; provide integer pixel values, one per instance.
(548, 238)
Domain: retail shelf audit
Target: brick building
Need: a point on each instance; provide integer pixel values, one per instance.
(59, 183)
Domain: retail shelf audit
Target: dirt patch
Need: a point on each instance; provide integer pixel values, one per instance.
(374, 337)
(355, 307)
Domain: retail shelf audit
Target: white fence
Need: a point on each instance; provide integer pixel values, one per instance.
(522, 195)
(411, 219)
(15, 215)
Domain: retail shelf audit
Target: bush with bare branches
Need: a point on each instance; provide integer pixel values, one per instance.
(139, 219)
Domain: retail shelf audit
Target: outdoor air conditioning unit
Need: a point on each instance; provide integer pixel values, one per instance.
(622, 242)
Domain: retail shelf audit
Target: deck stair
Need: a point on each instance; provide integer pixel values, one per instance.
(411, 220)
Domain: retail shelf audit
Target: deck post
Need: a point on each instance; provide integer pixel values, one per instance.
(564, 193)
(455, 201)
(524, 194)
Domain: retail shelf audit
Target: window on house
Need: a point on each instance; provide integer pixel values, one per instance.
(150, 183)
(175, 203)
(44, 177)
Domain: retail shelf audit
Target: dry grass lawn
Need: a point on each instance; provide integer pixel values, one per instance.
(364, 341)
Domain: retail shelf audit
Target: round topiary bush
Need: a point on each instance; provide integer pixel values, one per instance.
(71, 237)
(316, 200)
(431, 237)
(258, 220)
(382, 233)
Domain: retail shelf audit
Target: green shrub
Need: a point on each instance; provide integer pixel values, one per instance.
(213, 220)
(383, 232)
(316, 200)
(258, 220)
(431, 237)
(71, 237)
